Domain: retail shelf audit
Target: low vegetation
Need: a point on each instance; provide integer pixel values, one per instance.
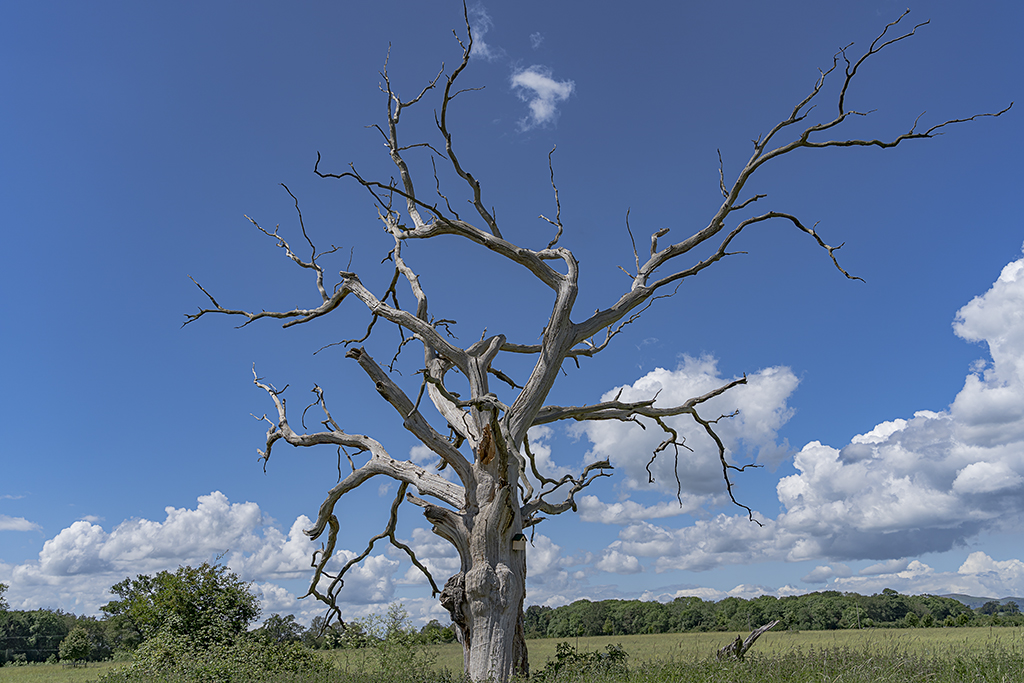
(195, 625)
(891, 655)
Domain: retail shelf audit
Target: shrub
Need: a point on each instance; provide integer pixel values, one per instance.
(168, 656)
(569, 661)
(75, 646)
(396, 644)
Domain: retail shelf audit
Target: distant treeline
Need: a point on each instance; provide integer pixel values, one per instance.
(35, 635)
(827, 610)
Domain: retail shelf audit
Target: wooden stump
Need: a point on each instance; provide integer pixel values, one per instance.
(738, 648)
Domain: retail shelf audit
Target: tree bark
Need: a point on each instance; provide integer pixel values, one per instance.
(485, 600)
(737, 648)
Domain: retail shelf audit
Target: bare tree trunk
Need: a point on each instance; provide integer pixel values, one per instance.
(737, 648)
(485, 600)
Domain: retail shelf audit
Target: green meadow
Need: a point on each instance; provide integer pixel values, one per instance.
(936, 655)
(688, 647)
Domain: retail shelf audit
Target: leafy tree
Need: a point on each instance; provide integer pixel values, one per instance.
(483, 510)
(3, 600)
(32, 636)
(207, 604)
(323, 636)
(991, 607)
(887, 607)
(76, 645)
(98, 632)
(433, 632)
(536, 620)
(278, 629)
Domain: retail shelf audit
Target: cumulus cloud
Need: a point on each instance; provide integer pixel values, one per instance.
(549, 581)
(979, 575)
(927, 483)
(762, 407)
(614, 562)
(908, 486)
(436, 554)
(542, 93)
(722, 540)
(536, 39)
(744, 590)
(17, 524)
(75, 568)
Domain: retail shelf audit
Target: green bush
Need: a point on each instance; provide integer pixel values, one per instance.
(208, 603)
(396, 644)
(169, 656)
(76, 646)
(569, 661)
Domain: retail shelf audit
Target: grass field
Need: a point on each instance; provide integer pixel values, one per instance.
(982, 654)
(45, 673)
(690, 647)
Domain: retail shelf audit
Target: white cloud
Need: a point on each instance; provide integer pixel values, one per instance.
(1001, 578)
(17, 524)
(986, 477)
(541, 450)
(424, 457)
(762, 411)
(591, 509)
(825, 573)
(480, 23)
(904, 488)
(924, 484)
(75, 568)
(436, 554)
(743, 590)
(722, 540)
(614, 562)
(888, 567)
(534, 84)
(979, 575)
(542, 93)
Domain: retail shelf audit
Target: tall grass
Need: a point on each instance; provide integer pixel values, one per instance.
(880, 656)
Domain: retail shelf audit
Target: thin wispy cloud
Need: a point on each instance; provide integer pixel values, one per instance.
(480, 23)
(536, 86)
(533, 85)
(17, 524)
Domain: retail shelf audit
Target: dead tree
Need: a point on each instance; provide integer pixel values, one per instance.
(737, 648)
(475, 431)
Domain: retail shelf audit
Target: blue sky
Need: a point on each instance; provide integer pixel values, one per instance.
(137, 137)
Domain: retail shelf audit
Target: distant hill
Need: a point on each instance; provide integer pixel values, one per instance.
(975, 603)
